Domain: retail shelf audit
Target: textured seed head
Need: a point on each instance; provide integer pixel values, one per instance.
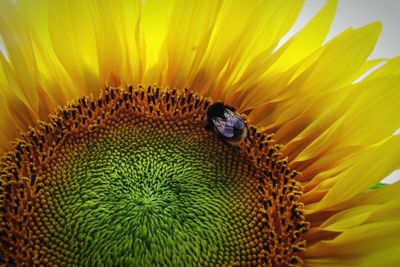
(132, 177)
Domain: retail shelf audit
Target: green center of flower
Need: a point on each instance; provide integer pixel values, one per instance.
(133, 178)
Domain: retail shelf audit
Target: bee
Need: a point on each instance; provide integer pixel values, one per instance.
(226, 123)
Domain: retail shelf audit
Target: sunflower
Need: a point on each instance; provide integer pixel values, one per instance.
(106, 159)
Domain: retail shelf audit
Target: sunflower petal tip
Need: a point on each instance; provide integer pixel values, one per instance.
(375, 27)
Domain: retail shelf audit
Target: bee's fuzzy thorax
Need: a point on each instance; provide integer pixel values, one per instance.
(216, 110)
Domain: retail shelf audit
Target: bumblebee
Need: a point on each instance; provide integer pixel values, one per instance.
(226, 123)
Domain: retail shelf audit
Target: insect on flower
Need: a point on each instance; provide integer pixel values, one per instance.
(226, 123)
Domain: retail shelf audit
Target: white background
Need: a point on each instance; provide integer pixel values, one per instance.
(357, 13)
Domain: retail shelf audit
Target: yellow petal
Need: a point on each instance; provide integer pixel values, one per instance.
(307, 40)
(21, 67)
(119, 41)
(348, 126)
(358, 242)
(187, 40)
(51, 75)
(81, 62)
(154, 27)
(343, 56)
(233, 46)
(367, 230)
(376, 163)
(329, 68)
(264, 78)
(368, 65)
(389, 69)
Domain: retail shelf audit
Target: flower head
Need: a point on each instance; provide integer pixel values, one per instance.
(129, 175)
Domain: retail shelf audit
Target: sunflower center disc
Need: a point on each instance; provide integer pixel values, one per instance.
(132, 178)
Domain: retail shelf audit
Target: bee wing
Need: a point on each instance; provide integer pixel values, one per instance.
(234, 120)
(223, 127)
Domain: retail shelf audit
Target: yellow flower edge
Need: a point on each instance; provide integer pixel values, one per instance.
(337, 133)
